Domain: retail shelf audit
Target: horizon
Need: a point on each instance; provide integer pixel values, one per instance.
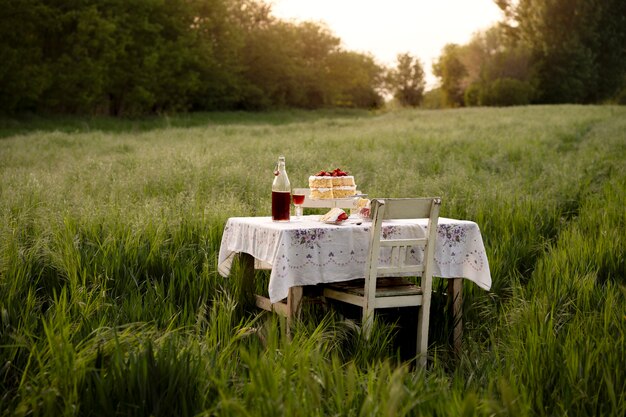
(422, 29)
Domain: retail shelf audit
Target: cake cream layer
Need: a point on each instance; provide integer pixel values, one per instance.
(318, 194)
(343, 181)
(323, 182)
(344, 193)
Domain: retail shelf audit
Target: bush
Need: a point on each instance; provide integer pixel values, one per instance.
(621, 97)
(472, 95)
(433, 99)
(506, 92)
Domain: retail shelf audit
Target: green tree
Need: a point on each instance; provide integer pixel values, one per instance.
(406, 81)
(268, 67)
(78, 49)
(125, 57)
(170, 55)
(451, 71)
(286, 65)
(355, 80)
(314, 44)
(118, 56)
(497, 69)
(504, 92)
(215, 54)
(23, 73)
(578, 47)
(493, 54)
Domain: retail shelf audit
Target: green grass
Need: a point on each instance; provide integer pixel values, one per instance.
(110, 301)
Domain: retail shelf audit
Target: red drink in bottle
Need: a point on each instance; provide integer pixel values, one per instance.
(280, 206)
(281, 193)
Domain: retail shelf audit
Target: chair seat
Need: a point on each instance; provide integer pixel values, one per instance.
(385, 287)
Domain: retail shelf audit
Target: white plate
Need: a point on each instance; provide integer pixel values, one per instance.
(349, 221)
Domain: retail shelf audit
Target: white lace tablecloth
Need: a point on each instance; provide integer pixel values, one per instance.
(309, 252)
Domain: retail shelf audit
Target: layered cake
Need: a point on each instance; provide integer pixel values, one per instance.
(331, 184)
(321, 187)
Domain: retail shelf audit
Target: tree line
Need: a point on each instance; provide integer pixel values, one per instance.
(125, 57)
(129, 57)
(543, 51)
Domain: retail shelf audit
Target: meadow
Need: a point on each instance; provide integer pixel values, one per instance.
(111, 304)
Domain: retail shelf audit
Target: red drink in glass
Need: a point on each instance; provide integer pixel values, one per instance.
(280, 206)
(298, 199)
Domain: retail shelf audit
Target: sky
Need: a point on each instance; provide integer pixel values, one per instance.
(385, 28)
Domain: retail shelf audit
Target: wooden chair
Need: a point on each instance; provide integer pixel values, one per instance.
(375, 292)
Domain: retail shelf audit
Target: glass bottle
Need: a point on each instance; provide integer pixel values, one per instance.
(281, 193)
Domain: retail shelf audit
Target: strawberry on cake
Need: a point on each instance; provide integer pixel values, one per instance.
(331, 184)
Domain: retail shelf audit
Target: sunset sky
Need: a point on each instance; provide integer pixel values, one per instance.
(385, 28)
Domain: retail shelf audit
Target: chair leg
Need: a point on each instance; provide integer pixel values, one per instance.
(423, 318)
(367, 322)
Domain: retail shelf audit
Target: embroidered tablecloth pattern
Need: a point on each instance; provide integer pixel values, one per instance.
(309, 252)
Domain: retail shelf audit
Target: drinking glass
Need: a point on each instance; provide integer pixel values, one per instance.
(298, 200)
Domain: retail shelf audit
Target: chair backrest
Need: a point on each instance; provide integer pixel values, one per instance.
(401, 208)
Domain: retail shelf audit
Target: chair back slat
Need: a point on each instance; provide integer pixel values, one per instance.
(404, 269)
(403, 242)
(407, 208)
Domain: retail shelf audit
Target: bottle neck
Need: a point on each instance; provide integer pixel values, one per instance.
(281, 180)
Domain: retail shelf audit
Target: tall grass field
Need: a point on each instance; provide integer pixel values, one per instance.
(111, 304)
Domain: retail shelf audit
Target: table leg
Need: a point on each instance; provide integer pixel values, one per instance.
(291, 310)
(294, 302)
(247, 279)
(455, 294)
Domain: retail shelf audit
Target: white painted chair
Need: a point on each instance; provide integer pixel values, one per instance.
(375, 292)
